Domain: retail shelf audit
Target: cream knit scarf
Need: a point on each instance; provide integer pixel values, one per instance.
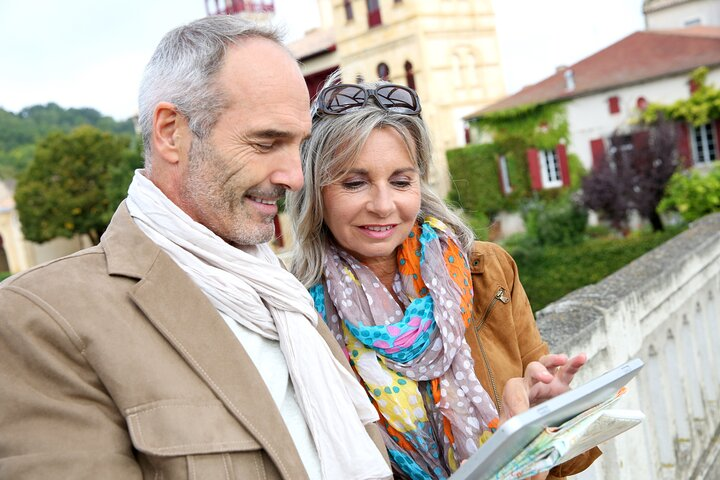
(254, 290)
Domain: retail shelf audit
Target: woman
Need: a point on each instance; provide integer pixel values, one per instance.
(430, 320)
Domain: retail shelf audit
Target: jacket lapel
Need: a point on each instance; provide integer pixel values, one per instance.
(189, 322)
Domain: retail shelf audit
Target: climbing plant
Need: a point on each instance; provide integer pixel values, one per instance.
(475, 170)
(700, 108)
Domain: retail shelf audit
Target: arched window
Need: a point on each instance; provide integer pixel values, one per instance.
(383, 71)
(348, 10)
(410, 75)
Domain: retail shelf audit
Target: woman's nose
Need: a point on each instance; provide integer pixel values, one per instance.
(381, 202)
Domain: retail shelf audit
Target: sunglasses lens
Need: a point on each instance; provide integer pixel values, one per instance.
(342, 98)
(398, 99)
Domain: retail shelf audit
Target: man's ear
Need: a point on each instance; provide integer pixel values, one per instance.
(171, 133)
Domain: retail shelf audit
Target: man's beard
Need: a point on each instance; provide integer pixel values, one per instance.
(208, 194)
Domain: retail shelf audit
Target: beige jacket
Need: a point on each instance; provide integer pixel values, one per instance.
(114, 365)
(503, 336)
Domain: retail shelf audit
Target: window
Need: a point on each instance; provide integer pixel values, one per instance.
(704, 144)
(504, 176)
(373, 7)
(348, 10)
(410, 75)
(550, 169)
(641, 103)
(383, 71)
(614, 104)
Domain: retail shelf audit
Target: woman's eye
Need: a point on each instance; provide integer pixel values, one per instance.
(353, 184)
(401, 183)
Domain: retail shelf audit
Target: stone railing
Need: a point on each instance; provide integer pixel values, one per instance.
(663, 308)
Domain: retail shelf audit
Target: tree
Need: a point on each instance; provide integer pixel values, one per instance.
(19, 132)
(633, 175)
(70, 186)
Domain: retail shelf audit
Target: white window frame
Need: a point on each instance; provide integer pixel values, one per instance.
(550, 169)
(505, 175)
(701, 151)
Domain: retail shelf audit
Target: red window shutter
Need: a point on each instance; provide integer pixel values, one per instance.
(534, 168)
(641, 140)
(614, 104)
(683, 144)
(564, 167)
(693, 86)
(278, 232)
(597, 147)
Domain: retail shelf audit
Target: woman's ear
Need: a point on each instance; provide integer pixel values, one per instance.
(170, 134)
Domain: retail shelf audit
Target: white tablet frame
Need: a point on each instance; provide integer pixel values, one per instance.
(516, 433)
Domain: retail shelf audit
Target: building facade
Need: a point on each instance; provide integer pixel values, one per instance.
(605, 94)
(446, 50)
(669, 14)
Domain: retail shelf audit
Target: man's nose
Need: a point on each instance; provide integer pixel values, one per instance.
(289, 171)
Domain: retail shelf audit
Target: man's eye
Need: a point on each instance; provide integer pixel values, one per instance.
(264, 147)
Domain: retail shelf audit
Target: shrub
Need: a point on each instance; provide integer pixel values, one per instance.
(4, 275)
(692, 194)
(560, 222)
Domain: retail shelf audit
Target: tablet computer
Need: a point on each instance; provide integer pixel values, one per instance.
(516, 433)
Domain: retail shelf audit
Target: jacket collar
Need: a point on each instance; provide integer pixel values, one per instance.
(188, 321)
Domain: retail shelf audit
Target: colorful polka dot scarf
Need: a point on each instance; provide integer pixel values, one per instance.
(415, 364)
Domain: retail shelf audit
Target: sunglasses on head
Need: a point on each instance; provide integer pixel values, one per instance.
(346, 98)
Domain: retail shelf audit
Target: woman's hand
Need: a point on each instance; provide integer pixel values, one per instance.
(551, 375)
(544, 379)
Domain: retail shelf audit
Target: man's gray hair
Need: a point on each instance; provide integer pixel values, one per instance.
(183, 71)
(333, 146)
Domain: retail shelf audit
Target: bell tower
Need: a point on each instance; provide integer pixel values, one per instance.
(259, 11)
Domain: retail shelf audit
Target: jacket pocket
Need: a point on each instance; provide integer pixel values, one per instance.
(183, 439)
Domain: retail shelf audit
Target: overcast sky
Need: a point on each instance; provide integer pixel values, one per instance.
(84, 53)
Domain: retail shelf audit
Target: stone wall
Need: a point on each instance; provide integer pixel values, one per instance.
(665, 309)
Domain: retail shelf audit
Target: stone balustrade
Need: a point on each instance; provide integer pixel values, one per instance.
(663, 308)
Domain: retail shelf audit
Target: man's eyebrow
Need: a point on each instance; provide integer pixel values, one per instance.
(271, 133)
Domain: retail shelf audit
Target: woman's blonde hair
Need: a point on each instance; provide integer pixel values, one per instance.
(333, 146)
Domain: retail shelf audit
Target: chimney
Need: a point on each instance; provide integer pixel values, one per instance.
(569, 79)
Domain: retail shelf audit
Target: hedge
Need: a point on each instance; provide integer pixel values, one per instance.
(550, 272)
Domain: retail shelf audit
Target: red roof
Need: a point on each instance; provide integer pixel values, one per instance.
(636, 58)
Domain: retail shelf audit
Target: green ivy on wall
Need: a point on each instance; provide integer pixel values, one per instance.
(699, 109)
(475, 171)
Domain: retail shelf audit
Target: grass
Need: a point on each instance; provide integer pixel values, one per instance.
(550, 272)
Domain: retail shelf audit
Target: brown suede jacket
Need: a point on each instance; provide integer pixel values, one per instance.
(503, 336)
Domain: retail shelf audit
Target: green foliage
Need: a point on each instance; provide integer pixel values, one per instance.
(474, 172)
(4, 275)
(692, 194)
(20, 132)
(702, 106)
(540, 126)
(474, 169)
(558, 222)
(550, 272)
(71, 186)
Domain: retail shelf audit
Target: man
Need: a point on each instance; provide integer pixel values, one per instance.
(179, 347)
